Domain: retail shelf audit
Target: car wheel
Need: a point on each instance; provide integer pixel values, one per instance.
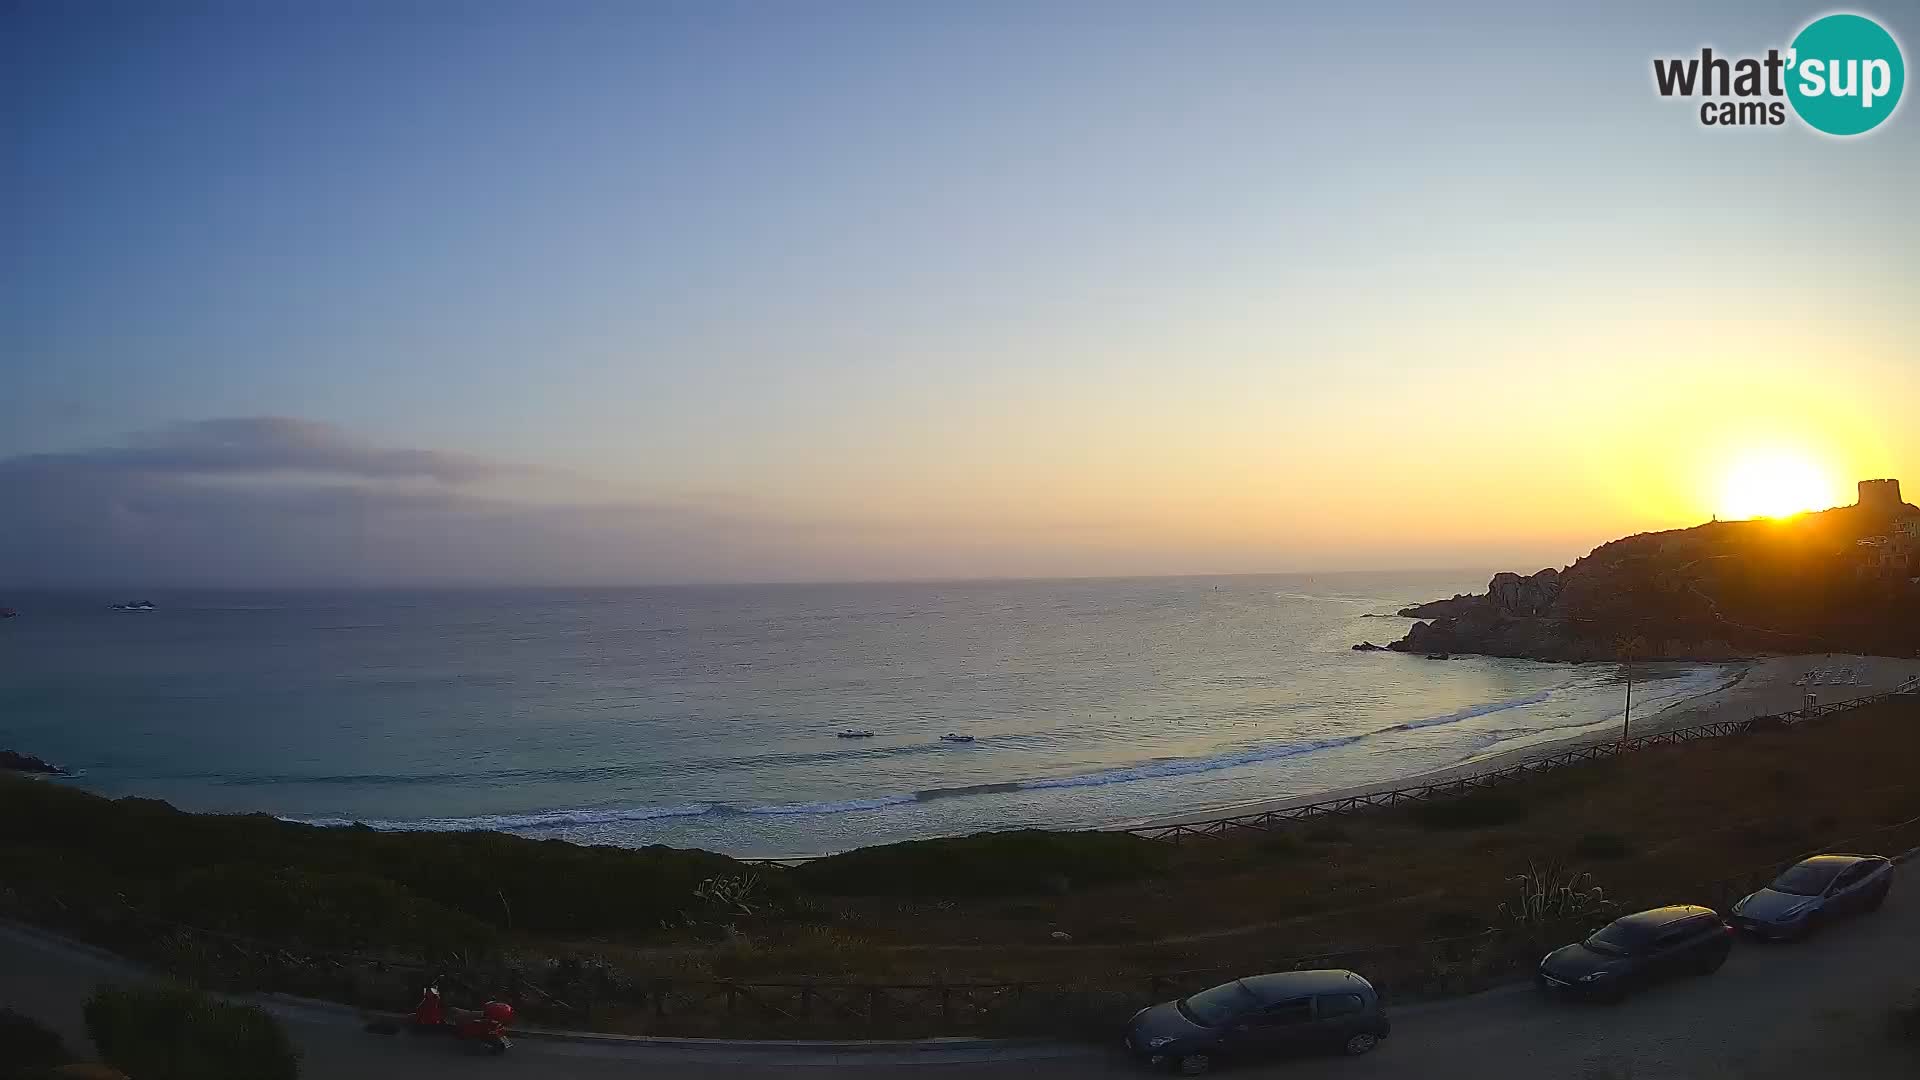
(1194, 1064)
(1811, 926)
(1878, 899)
(1711, 963)
(1362, 1043)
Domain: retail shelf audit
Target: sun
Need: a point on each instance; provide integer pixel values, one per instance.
(1774, 483)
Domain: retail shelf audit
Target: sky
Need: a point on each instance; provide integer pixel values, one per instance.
(362, 293)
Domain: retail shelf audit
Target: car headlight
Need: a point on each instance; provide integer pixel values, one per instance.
(1742, 904)
(1159, 1041)
(1594, 977)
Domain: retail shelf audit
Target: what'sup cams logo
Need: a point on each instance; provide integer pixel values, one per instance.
(1842, 75)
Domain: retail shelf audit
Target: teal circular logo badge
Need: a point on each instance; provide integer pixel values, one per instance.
(1845, 74)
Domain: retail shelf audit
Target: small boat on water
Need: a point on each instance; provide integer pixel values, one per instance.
(1439, 656)
(951, 737)
(855, 735)
(137, 605)
(8, 613)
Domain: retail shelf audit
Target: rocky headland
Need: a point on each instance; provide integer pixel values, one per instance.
(1840, 580)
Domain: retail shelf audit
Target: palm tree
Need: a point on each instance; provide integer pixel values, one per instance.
(1629, 649)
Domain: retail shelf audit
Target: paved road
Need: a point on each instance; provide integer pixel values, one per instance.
(1812, 1010)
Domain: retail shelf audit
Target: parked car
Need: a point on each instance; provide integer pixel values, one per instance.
(1812, 891)
(1259, 1016)
(1634, 950)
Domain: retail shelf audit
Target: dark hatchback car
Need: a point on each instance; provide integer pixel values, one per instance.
(1632, 951)
(1813, 891)
(1260, 1016)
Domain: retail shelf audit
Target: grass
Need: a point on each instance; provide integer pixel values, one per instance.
(1019, 863)
(1667, 824)
(1605, 846)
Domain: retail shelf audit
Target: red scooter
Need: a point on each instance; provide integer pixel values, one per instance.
(488, 1027)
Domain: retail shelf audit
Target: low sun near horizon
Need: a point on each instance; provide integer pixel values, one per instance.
(1777, 483)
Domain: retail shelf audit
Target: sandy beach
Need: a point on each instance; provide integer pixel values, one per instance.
(1760, 687)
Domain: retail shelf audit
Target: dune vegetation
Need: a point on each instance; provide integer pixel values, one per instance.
(1689, 822)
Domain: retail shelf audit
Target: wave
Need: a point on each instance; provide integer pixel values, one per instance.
(1471, 712)
(1163, 768)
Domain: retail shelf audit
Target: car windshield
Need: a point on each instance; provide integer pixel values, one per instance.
(1618, 939)
(1807, 879)
(1211, 1008)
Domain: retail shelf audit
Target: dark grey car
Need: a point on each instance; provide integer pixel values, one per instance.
(1635, 950)
(1260, 1016)
(1813, 891)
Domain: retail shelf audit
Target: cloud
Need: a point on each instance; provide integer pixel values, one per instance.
(275, 500)
(257, 445)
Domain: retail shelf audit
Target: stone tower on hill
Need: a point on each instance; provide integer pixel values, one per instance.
(1881, 495)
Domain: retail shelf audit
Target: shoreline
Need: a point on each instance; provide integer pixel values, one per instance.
(1762, 687)
(1746, 689)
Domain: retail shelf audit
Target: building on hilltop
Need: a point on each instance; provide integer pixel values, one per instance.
(1896, 553)
(1881, 495)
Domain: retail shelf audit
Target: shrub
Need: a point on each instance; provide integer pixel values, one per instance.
(170, 1033)
(1602, 846)
(27, 1043)
(1025, 862)
(1475, 811)
(1550, 896)
(1283, 845)
(1328, 832)
(329, 912)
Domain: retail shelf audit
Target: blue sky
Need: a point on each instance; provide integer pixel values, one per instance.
(933, 289)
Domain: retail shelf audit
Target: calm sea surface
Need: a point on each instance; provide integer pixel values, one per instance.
(707, 716)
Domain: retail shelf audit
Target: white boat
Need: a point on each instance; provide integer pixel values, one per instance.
(951, 737)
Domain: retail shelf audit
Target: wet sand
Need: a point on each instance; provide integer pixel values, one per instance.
(1756, 688)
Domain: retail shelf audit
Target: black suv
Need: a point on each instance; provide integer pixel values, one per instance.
(1634, 950)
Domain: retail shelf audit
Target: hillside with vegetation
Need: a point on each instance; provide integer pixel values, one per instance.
(1804, 584)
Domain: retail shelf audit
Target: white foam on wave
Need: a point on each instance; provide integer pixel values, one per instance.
(551, 819)
(847, 806)
(1154, 770)
(1659, 694)
(1472, 711)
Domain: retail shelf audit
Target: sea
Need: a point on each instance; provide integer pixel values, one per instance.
(710, 716)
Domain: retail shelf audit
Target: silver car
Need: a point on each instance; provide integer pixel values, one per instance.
(1812, 892)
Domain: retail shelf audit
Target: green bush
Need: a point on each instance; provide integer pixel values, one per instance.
(169, 1033)
(68, 843)
(26, 1043)
(325, 912)
(1476, 811)
(1024, 862)
(1282, 845)
(1602, 846)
